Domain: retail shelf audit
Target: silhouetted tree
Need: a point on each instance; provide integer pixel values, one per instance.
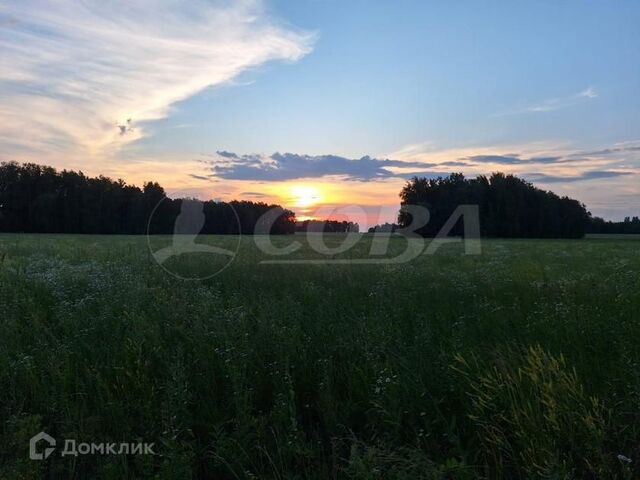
(508, 206)
(39, 199)
(384, 228)
(628, 226)
(327, 226)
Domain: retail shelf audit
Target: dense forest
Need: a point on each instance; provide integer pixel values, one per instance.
(509, 206)
(40, 199)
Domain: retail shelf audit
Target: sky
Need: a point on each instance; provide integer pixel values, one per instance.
(319, 105)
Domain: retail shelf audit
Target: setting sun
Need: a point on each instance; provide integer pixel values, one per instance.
(305, 196)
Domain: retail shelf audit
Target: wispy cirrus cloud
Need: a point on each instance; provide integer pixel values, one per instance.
(552, 104)
(82, 77)
(553, 155)
(513, 159)
(254, 194)
(589, 175)
(628, 148)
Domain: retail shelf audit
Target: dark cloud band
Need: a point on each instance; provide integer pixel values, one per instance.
(290, 166)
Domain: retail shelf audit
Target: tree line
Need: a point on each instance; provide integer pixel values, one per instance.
(384, 228)
(40, 199)
(629, 225)
(327, 226)
(508, 206)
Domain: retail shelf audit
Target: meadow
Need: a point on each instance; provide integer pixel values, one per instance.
(521, 362)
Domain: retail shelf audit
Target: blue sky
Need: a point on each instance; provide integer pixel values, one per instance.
(386, 74)
(465, 85)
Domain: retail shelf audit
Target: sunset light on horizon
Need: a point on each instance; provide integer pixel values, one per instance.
(282, 102)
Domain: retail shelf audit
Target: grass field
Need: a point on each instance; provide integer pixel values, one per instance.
(521, 362)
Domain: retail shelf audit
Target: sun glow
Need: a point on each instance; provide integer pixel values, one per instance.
(304, 196)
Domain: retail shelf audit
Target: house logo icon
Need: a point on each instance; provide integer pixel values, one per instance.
(34, 453)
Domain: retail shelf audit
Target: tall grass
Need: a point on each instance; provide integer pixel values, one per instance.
(522, 362)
